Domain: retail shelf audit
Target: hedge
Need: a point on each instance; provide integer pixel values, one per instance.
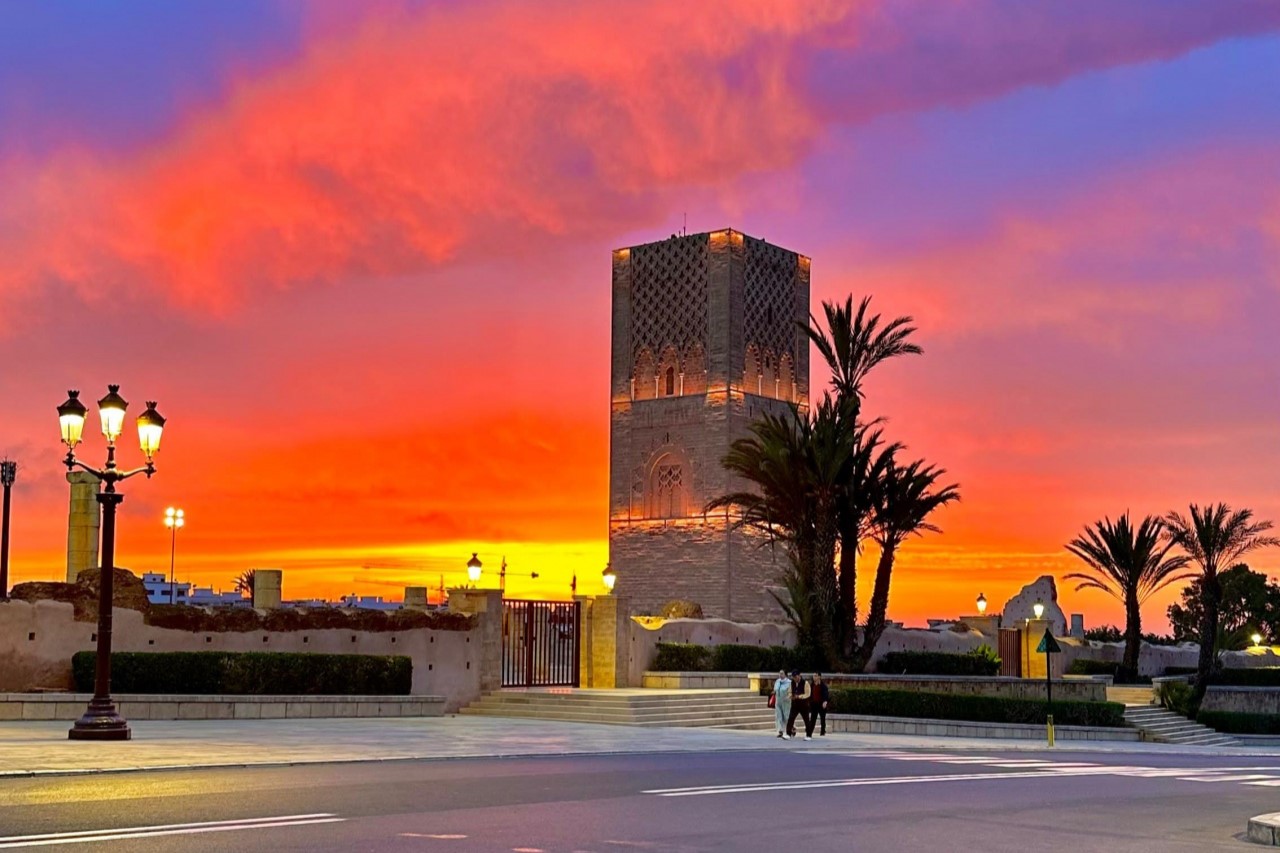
(1088, 666)
(249, 673)
(938, 663)
(1258, 676)
(1240, 724)
(983, 709)
(731, 657)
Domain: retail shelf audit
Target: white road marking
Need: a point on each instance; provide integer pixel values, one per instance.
(439, 836)
(840, 783)
(83, 836)
(1240, 777)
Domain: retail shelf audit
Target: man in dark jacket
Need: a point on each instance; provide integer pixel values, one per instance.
(801, 691)
(818, 702)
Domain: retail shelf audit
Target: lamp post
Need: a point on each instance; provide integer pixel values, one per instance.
(474, 567)
(101, 721)
(1257, 639)
(174, 519)
(609, 576)
(1038, 609)
(982, 604)
(8, 472)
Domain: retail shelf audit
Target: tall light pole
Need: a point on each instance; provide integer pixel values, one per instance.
(8, 471)
(502, 575)
(174, 519)
(101, 721)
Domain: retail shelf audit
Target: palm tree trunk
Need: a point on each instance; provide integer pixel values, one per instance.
(1132, 635)
(826, 594)
(849, 587)
(878, 609)
(1211, 595)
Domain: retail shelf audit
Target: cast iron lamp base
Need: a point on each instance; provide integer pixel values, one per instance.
(100, 722)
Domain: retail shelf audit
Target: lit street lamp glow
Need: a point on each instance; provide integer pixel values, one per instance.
(982, 604)
(101, 720)
(174, 519)
(1038, 609)
(609, 576)
(474, 567)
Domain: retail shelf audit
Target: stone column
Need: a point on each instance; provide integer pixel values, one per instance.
(267, 584)
(83, 522)
(987, 626)
(1032, 661)
(415, 598)
(604, 640)
(485, 605)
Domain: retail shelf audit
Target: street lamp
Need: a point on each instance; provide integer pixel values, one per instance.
(473, 568)
(1257, 639)
(982, 604)
(8, 471)
(1038, 609)
(609, 576)
(173, 519)
(101, 721)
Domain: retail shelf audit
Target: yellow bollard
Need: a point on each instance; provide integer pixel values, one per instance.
(1049, 726)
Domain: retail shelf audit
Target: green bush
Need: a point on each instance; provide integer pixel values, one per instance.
(983, 709)
(1258, 676)
(976, 662)
(1088, 666)
(1240, 724)
(249, 673)
(1176, 696)
(682, 657)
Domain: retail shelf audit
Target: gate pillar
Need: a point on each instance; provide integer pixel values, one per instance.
(485, 606)
(605, 635)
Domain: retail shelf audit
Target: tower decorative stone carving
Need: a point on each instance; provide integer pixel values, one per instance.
(706, 337)
(84, 519)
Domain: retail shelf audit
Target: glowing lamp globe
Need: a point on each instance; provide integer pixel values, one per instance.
(150, 428)
(174, 517)
(71, 416)
(1038, 609)
(610, 577)
(111, 409)
(982, 604)
(1257, 639)
(473, 568)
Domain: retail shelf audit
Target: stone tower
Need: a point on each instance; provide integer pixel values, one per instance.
(706, 337)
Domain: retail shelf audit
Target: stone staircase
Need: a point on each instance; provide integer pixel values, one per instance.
(1163, 726)
(715, 709)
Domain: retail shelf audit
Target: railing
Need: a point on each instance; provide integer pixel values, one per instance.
(540, 643)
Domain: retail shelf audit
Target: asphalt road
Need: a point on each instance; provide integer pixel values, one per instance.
(774, 800)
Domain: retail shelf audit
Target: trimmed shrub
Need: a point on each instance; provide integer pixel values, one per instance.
(975, 662)
(1175, 696)
(682, 657)
(1240, 724)
(983, 709)
(1088, 666)
(249, 673)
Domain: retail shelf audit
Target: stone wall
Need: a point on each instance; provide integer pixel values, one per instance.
(644, 636)
(1242, 700)
(1082, 690)
(38, 639)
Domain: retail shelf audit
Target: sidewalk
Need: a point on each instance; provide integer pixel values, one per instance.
(40, 748)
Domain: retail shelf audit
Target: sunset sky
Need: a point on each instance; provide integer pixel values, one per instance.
(360, 254)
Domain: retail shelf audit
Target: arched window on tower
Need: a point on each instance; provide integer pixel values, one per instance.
(669, 373)
(695, 370)
(786, 379)
(668, 492)
(642, 382)
(768, 376)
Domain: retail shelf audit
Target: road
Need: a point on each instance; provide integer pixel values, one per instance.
(784, 799)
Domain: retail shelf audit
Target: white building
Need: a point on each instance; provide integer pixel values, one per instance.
(369, 602)
(206, 597)
(160, 591)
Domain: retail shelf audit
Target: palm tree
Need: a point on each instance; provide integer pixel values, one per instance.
(244, 583)
(1129, 565)
(795, 463)
(852, 344)
(1215, 538)
(908, 496)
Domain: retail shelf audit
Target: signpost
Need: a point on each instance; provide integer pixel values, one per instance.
(1049, 646)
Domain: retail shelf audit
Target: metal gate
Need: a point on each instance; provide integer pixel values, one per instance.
(540, 643)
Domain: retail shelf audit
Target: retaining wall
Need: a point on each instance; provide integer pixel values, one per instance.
(38, 639)
(138, 706)
(1242, 700)
(858, 724)
(1071, 689)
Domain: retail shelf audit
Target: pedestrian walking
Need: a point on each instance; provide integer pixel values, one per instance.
(801, 690)
(818, 702)
(782, 704)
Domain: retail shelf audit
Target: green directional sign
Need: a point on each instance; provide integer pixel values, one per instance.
(1048, 644)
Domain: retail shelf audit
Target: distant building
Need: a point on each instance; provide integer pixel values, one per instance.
(707, 336)
(369, 602)
(160, 591)
(206, 597)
